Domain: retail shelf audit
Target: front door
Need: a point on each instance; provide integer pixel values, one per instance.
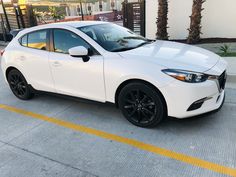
(73, 76)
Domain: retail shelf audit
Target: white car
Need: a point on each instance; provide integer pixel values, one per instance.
(148, 80)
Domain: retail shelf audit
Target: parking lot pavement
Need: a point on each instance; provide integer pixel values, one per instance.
(56, 136)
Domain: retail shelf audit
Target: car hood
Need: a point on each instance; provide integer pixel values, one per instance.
(174, 55)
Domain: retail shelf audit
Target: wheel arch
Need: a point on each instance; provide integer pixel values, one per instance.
(9, 69)
(124, 83)
(13, 67)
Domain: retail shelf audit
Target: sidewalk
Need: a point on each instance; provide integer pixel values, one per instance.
(215, 47)
(231, 82)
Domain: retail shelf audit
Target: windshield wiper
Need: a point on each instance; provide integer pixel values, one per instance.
(123, 49)
(134, 37)
(130, 48)
(143, 43)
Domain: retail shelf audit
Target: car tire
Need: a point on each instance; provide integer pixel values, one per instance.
(19, 86)
(142, 105)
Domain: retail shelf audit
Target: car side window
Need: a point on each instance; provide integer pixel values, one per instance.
(24, 41)
(64, 40)
(37, 40)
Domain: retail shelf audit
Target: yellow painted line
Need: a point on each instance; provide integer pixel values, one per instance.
(137, 144)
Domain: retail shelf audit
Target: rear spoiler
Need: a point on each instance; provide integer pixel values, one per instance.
(15, 32)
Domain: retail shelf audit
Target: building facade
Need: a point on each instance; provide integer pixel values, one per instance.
(219, 18)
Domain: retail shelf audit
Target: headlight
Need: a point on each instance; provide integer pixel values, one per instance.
(187, 76)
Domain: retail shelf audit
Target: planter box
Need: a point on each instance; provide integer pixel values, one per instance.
(231, 65)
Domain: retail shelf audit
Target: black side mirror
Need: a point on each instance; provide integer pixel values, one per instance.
(86, 58)
(80, 51)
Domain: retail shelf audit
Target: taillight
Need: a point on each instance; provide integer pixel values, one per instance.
(2, 52)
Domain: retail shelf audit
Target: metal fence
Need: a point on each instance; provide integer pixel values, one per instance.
(134, 16)
(16, 17)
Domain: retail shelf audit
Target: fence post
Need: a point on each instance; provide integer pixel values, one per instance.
(5, 14)
(17, 15)
(3, 29)
(21, 16)
(81, 10)
(30, 15)
(143, 18)
(124, 9)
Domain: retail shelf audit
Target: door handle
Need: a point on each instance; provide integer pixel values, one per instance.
(22, 58)
(56, 64)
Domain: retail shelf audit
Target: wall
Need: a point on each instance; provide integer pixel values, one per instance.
(109, 16)
(219, 18)
(106, 6)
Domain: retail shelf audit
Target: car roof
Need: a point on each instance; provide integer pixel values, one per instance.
(74, 24)
(77, 24)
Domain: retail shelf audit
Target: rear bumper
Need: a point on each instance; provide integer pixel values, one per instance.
(3, 68)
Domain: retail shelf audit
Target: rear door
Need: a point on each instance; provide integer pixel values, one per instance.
(33, 57)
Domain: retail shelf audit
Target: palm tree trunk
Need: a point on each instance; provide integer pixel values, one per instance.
(195, 24)
(162, 20)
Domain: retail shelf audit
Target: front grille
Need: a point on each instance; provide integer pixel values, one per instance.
(222, 80)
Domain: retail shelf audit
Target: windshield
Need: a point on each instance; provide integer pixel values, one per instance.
(114, 38)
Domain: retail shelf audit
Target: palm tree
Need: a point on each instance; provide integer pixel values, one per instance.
(162, 20)
(55, 13)
(195, 24)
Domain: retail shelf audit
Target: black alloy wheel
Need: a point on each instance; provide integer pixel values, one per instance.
(142, 105)
(19, 85)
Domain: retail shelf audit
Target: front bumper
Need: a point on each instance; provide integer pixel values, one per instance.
(181, 97)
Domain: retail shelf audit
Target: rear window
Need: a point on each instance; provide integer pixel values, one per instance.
(38, 40)
(24, 40)
(35, 40)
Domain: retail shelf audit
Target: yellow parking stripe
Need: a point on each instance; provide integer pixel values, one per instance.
(140, 145)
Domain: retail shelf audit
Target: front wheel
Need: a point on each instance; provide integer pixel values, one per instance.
(142, 105)
(19, 85)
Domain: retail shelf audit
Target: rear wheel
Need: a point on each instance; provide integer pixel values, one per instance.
(19, 85)
(142, 105)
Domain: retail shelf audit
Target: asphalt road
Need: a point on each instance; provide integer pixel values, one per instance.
(54, 136)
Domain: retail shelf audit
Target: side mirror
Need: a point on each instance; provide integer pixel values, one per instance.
(80, 51)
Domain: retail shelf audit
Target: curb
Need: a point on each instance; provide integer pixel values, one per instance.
(231, 78)
(231, 81)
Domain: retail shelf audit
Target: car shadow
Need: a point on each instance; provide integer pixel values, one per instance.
(105, 111)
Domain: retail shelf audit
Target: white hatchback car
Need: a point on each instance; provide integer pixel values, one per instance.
(100, 61)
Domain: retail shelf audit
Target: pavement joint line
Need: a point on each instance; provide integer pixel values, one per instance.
(194, 161)
(45, 157)
(22, 134)
(65, 109)
(230, 103)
